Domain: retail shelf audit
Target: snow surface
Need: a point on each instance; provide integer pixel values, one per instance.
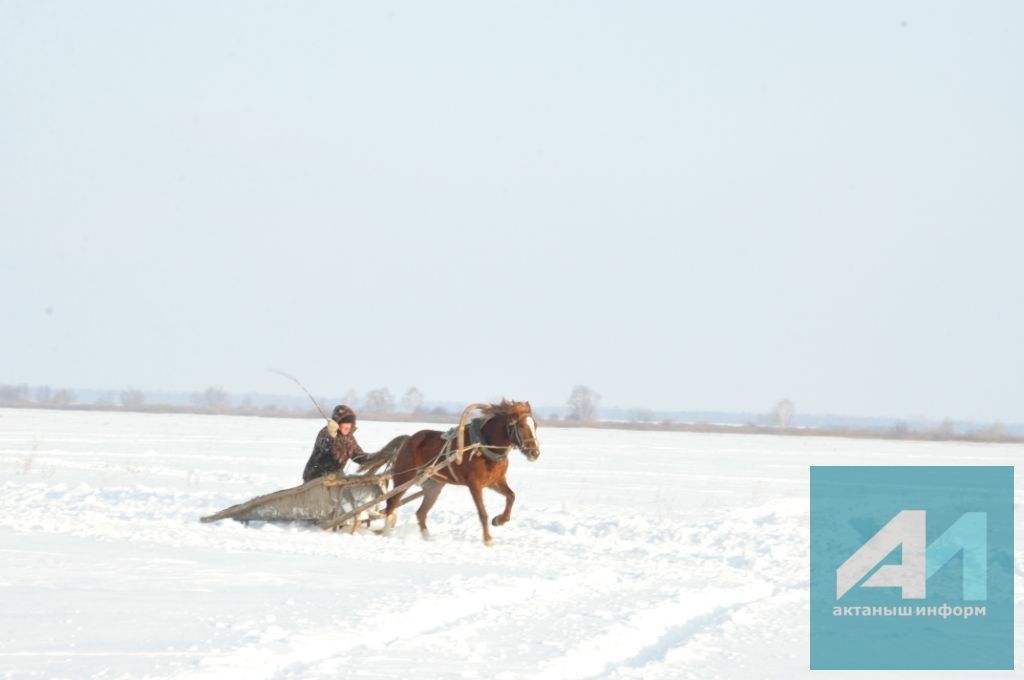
(629, 555)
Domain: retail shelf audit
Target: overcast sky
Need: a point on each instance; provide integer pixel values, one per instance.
(700, 206)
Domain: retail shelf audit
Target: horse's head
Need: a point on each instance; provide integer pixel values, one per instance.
(520, 426)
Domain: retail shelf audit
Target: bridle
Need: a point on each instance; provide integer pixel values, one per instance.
(515, 436)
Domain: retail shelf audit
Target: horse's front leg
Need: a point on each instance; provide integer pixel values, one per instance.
(501, 486)
(478, 497)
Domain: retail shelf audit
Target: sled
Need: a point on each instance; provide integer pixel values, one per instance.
(334, 501)
(321, 500)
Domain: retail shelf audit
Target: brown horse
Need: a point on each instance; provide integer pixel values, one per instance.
(506, 426)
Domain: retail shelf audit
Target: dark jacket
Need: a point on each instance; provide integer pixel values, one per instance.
(331, 453)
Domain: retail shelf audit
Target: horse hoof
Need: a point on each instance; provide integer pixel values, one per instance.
(488, 541)
(425, 535)
(495, 522)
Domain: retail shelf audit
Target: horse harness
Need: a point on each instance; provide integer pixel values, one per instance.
(476, 444)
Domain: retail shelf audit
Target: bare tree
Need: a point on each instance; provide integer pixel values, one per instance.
(412, 400)
(351, 399)
(132, 397)
(994, 432)
(379, 401)
(213, 398)
(44, 393)
(63, 397)
(13, 392)
(583, 403)
(781, 414)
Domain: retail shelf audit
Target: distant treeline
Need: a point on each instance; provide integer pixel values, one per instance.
(581, 411)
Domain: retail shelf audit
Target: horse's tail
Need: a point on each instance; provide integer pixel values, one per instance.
(385, 457)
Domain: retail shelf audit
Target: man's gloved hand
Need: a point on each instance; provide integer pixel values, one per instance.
(332, 429)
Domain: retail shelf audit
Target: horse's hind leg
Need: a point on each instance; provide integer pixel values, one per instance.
(431, 490)
(390, 510)
(501, 486)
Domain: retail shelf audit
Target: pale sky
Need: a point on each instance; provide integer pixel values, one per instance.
(698, 206)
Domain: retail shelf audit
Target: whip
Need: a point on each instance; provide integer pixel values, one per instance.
(296, 381)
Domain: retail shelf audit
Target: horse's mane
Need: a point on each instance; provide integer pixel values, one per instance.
(508, 408)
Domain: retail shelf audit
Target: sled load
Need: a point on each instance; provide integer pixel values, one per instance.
(322, 501)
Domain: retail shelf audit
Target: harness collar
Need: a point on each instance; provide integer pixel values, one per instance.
(476, 438)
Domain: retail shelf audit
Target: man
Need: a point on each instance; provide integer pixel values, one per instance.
(335, 445)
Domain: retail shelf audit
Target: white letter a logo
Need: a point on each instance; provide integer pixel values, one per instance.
(906, 529)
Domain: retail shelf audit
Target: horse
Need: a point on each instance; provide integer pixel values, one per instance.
(507, 425)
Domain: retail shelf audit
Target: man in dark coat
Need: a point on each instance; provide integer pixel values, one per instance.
(335, 445)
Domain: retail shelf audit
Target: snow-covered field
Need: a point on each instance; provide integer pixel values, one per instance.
(629, 555)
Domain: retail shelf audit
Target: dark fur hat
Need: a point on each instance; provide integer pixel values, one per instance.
(343, 414)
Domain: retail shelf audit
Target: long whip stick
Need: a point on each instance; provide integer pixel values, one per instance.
(302, 387)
